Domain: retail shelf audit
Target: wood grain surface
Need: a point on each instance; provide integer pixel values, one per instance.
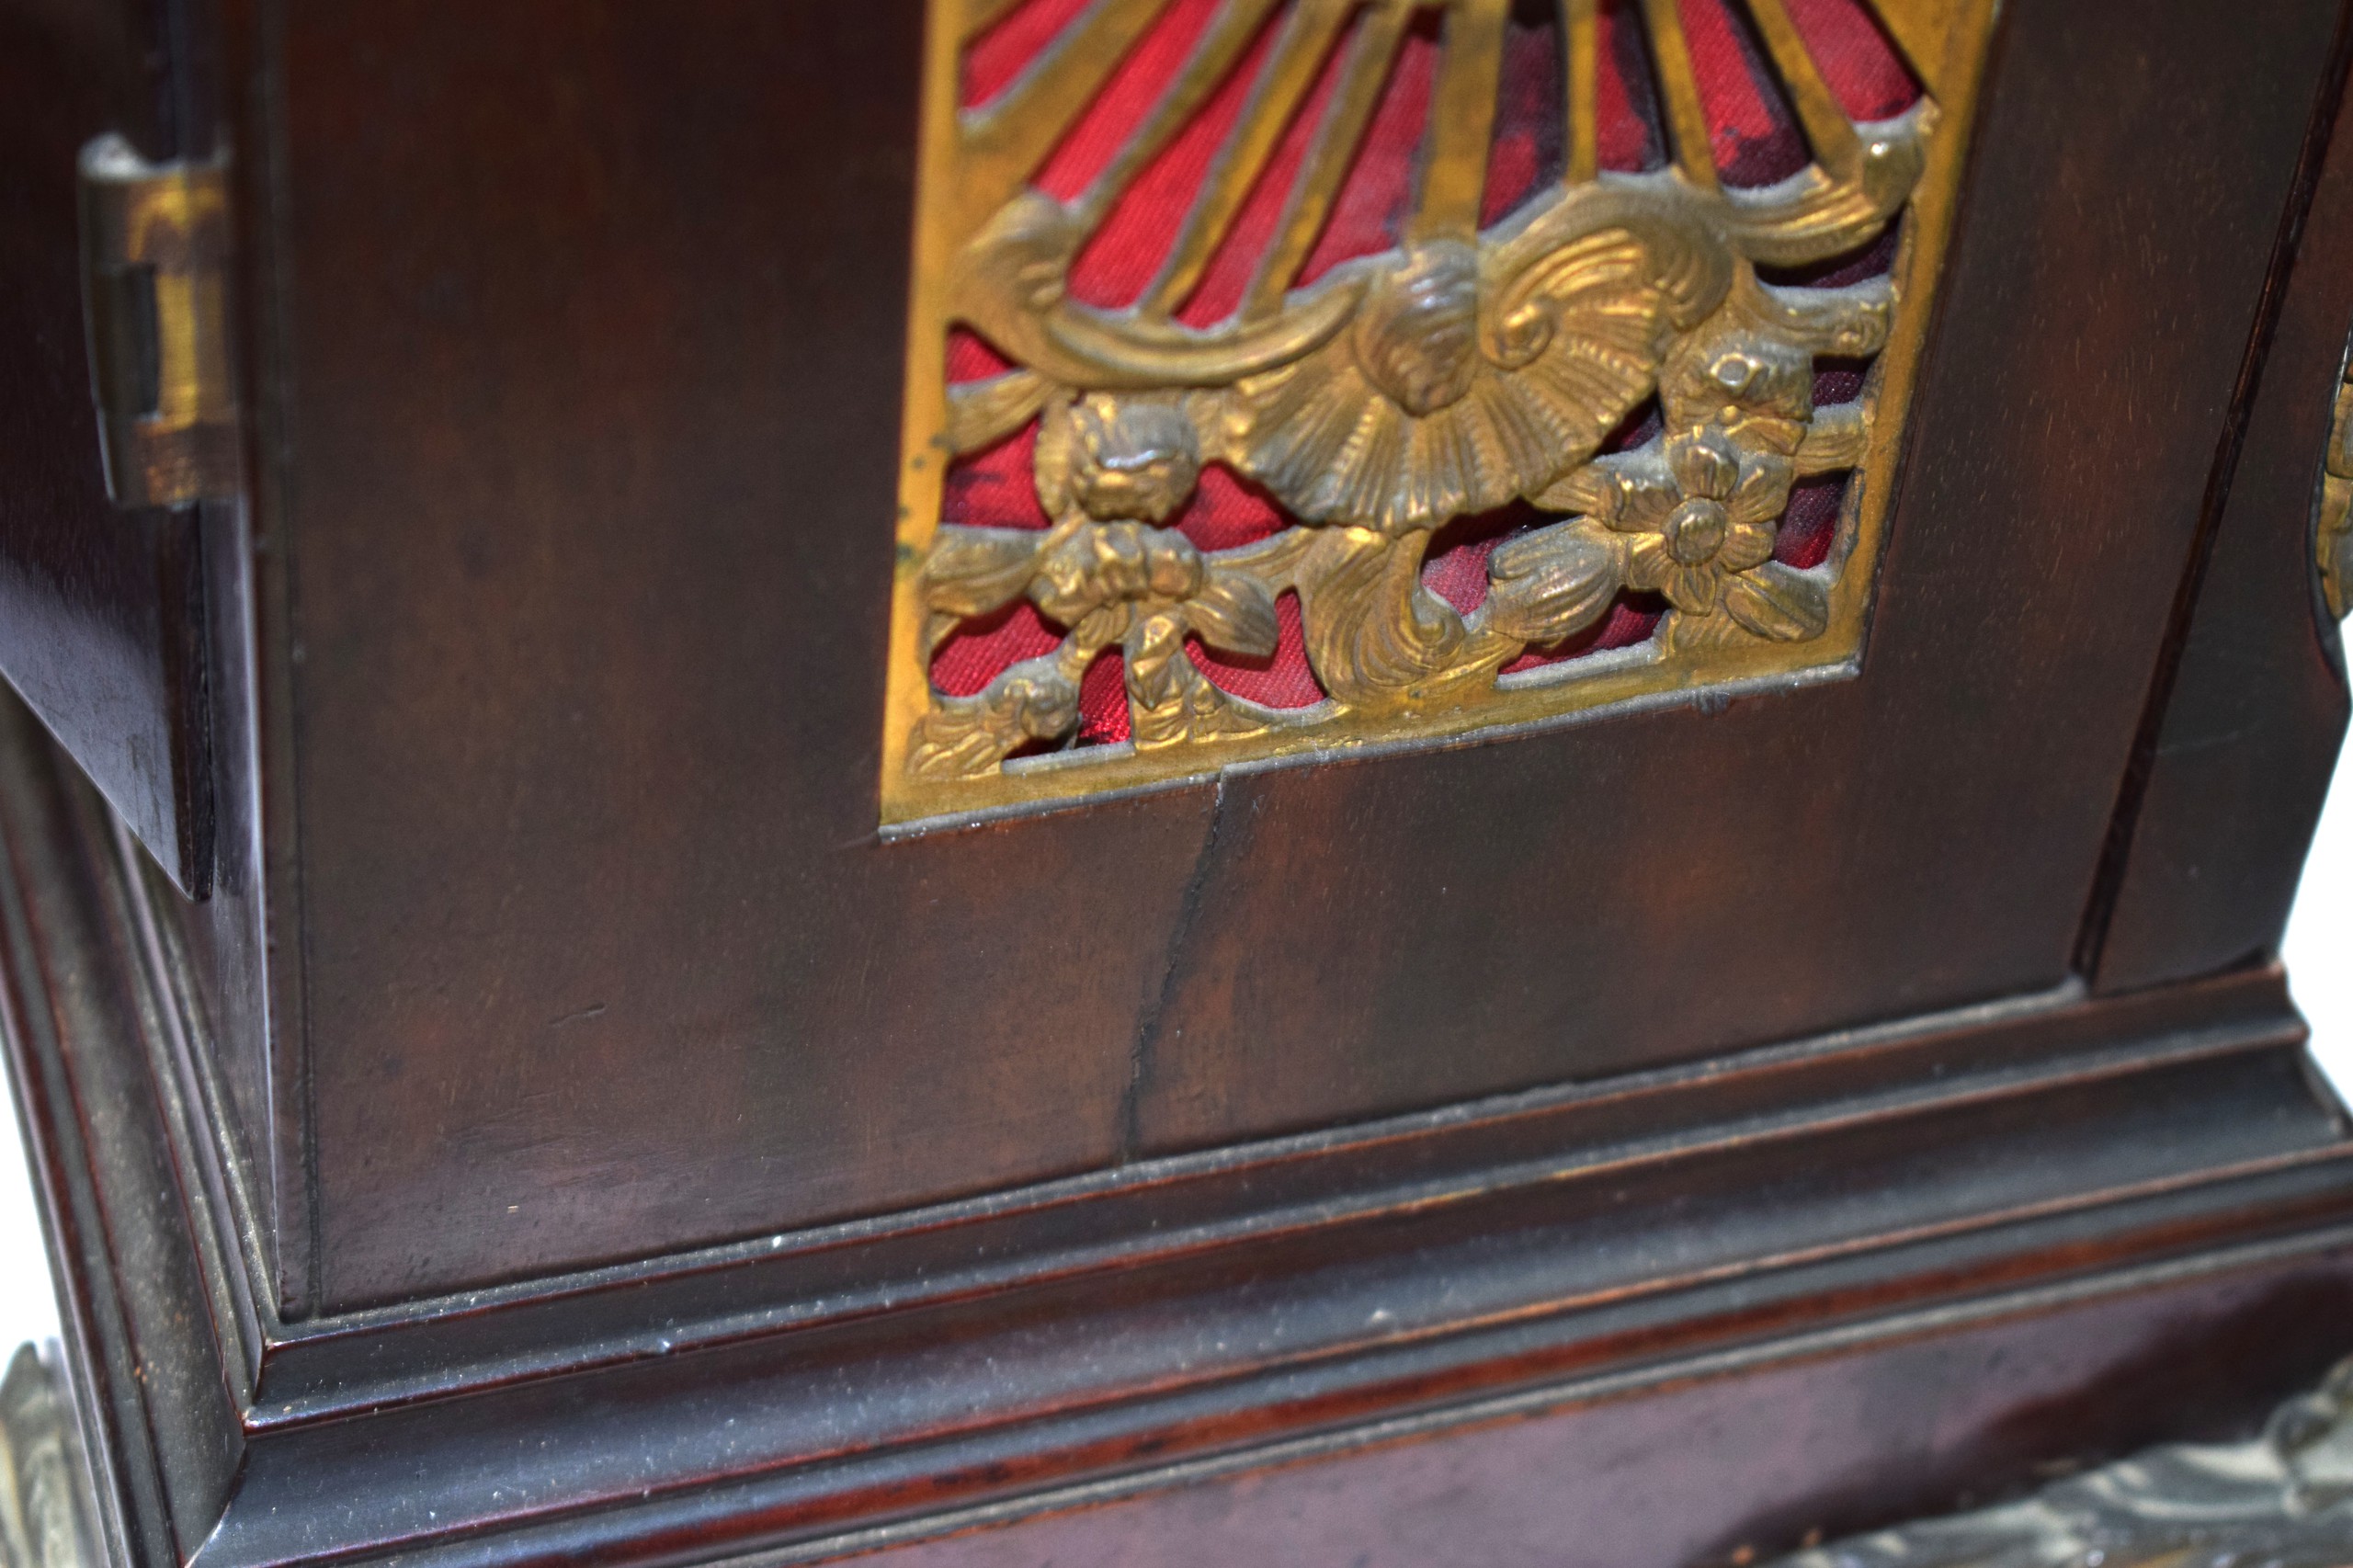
(588, 331)
(2236, 763)
(102, 611)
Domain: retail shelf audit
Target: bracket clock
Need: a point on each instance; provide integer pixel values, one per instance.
(997, 782)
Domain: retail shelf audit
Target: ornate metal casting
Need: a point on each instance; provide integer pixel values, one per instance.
(43, 1522)
(2283, 1501)
(1462, 370)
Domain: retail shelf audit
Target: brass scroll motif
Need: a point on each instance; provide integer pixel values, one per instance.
(1464, 369)
(2283, 1501)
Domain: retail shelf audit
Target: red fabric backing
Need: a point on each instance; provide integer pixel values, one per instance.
(1756, 141)
(993, 59)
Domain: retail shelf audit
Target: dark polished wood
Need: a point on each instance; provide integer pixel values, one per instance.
(568, 1131)
(103, 619)
(2251, 710)
(553, 541)
(800, 1392)
(1740, 1469)
(581, 859)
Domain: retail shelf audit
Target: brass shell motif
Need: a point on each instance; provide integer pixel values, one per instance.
(1479, 363)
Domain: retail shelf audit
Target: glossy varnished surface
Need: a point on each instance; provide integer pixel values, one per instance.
(1746, 1467)
(801, 1391)
(101, 611)
(588, 595)
(584, 638)
(580, 946)
(2237, 761)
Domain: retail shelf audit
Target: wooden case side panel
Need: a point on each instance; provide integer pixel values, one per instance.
(593, 329)
(2239, 763)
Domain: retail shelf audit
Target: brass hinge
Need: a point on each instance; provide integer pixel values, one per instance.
(155, 283)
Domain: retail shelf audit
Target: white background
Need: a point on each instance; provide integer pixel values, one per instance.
(2318, 936)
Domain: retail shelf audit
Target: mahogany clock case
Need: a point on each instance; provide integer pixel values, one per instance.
(566, 1124)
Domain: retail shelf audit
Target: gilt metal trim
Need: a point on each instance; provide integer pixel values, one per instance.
(43, 1519)
(1465, 368)
(2283, 1501)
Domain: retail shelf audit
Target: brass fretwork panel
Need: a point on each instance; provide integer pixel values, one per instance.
(1610, 387)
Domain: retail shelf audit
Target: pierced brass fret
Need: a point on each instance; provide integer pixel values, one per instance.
(1465, 369)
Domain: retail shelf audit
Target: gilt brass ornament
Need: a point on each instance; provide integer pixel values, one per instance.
(1623, 365)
